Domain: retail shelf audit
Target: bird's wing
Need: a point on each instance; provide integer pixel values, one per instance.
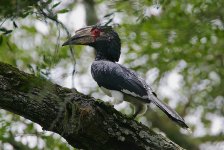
(114, 76)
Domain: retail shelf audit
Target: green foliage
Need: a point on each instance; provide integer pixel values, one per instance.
(186, 37)
(16, 8)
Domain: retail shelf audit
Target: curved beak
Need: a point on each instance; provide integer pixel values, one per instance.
(82, 37)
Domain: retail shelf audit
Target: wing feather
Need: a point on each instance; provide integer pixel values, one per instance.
(114, 76)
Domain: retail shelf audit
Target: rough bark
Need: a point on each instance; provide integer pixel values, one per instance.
(82, 120)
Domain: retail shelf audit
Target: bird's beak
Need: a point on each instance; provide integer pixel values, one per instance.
(82, 37)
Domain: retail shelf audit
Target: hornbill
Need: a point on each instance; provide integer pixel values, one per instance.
(114, 79)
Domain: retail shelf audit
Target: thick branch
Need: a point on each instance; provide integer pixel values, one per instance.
(83, 121)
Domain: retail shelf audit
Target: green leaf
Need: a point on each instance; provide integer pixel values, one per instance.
(63, 11)
(55, 5)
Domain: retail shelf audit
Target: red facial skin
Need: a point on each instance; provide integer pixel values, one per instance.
(95, 33)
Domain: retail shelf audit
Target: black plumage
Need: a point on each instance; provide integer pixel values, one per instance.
(114, 77)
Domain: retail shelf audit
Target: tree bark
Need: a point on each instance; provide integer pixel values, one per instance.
(83, 121)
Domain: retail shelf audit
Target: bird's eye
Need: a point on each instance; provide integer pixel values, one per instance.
(95, 32)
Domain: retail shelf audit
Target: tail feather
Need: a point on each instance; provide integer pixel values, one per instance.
(172, 114)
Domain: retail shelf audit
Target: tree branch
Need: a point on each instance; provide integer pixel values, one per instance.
(83, 121)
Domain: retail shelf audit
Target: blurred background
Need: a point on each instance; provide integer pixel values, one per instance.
(177, 46)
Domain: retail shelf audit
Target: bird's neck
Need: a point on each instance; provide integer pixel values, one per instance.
(102, 56)
(108, 51)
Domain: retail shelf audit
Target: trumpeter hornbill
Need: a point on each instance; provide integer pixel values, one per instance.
(114, 79)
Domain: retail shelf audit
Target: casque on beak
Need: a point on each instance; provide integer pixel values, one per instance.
(82, 37)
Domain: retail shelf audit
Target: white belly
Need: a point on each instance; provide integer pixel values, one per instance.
(117, 96)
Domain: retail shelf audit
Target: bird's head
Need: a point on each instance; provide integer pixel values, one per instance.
(103, 38)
